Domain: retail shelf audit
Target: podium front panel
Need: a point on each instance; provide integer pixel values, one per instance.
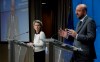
(61, 54)
(56, 53)
(20, 52)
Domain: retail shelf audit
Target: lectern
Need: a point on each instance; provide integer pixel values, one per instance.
(20, 52)
(57, 51)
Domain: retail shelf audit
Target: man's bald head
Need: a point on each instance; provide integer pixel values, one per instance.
(81, 10)
(82, 6)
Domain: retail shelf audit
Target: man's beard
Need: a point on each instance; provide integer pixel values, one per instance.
(81, 17)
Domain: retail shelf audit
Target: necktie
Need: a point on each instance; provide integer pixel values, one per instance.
(80, 23)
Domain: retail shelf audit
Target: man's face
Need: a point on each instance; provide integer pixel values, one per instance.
(80, 12)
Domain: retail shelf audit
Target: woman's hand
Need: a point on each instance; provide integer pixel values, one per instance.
(30, 44)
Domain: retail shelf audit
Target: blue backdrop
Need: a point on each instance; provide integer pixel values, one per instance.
(94, 12)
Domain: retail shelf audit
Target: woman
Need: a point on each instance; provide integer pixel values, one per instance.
(38, 43)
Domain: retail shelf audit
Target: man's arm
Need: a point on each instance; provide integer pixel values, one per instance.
(91, 33)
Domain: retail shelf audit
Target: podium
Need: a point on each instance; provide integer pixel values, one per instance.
(20, 52)
(57, 51)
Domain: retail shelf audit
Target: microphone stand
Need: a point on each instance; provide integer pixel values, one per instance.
(14, 38)
(53, 35)
(10, 44)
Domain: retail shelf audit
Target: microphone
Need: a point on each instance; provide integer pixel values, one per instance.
(53, 35)
(20, 35)
(77, 49)
(72, 47)
(51, 39)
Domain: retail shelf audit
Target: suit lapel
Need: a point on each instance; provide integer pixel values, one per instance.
(79, 28)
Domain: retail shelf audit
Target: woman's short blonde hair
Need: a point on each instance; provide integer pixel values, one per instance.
(38, 21)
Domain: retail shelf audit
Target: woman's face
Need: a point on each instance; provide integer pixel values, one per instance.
(37, 27)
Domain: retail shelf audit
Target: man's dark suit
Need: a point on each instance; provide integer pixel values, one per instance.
(85, 40)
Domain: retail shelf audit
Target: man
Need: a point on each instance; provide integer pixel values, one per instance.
(84, 36)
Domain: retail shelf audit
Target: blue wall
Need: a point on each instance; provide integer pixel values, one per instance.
(94, 12)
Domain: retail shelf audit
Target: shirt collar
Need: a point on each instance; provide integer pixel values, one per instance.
(83, 18)
(38, 32)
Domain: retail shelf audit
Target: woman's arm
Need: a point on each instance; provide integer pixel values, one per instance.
(40, 42)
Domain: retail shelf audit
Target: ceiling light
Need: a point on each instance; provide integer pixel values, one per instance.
(43, 3)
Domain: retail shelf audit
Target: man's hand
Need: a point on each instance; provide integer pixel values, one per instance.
(72, 33)
(63, 33)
